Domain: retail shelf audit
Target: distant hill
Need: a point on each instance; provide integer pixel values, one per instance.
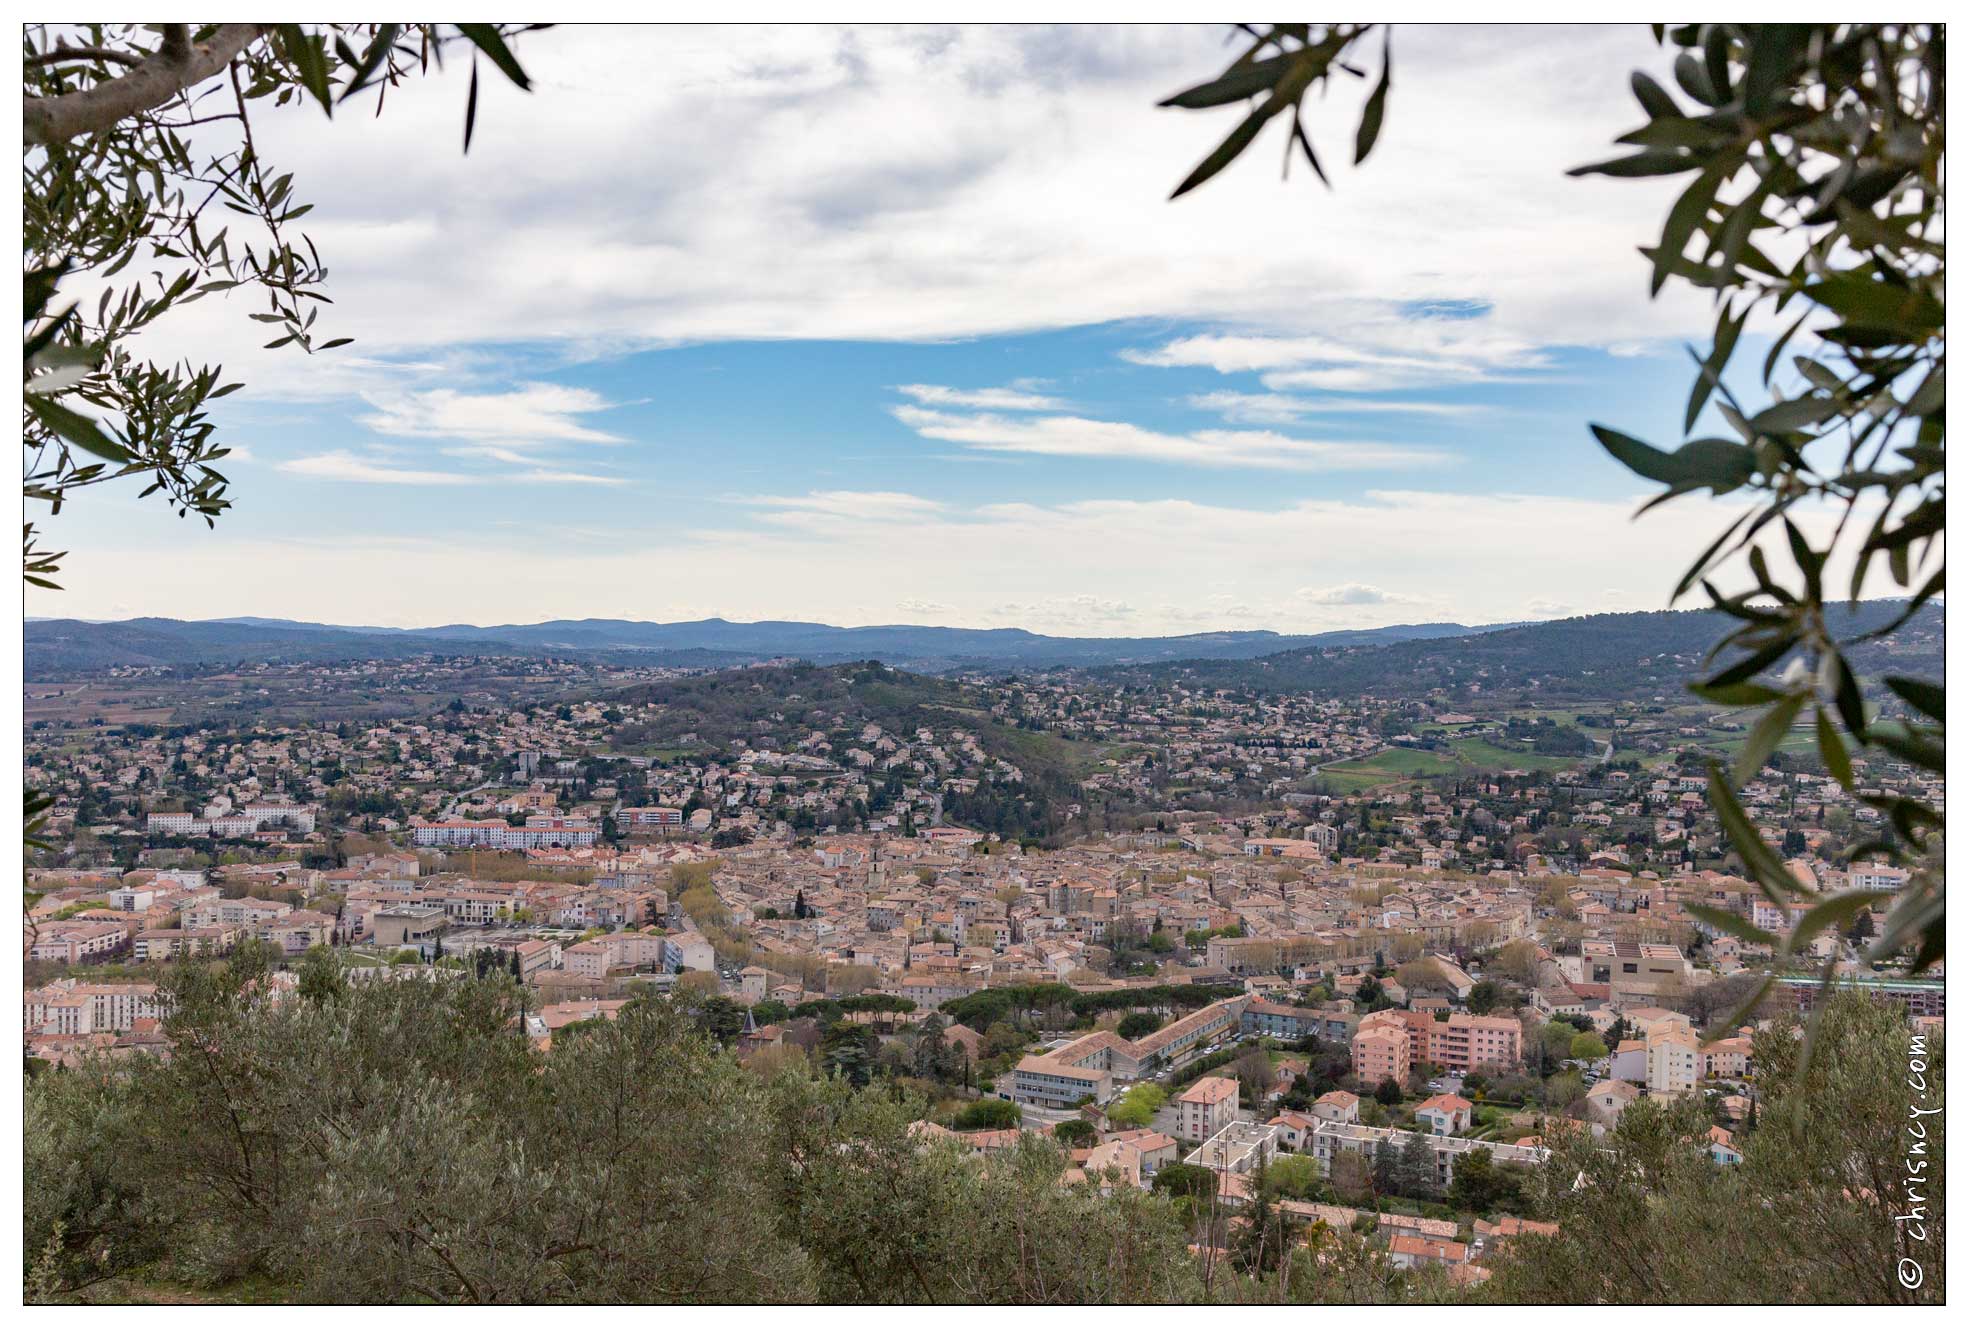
(777, 707)
(58, 647)
(64, 647)
(1598, 656)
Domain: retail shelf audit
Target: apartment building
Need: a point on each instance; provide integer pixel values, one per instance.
(1381, 1053)
(688, 950)
(1181, 1041)
(233, 825)
(1465, 1042)
(68, 1007)
(538, 833)
(1206, 1107)
(296, 932)
(1674, 1062)
(648, 821)
(1332, 1139)
(77, 941)
(177, 943)
(1273, 1020)
(245, 912)
(1461, 1043)
(1049, 1082)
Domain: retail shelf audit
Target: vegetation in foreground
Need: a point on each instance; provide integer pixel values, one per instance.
(407, 1142)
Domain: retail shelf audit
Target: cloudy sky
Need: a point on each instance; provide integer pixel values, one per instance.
(876, 326)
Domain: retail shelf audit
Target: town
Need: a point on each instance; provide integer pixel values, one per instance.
(1188, 935)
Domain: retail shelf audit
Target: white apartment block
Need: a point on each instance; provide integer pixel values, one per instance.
(538, 833)
(1674, 1062)
(68, 1007)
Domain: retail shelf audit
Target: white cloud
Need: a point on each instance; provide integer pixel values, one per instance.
(1542, 608)
(531, 413)
(551, 476)
(874, 504)
(926, 183)
(1274, 408)
(1073, 436)
(988, 399)
(1383, 349)
(1353, 593)
(341, 465)
(1068, 615)
(347, 466)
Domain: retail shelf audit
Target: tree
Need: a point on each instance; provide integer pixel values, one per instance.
(718, 1016)
(1352, 1176)
(111, 177)
(1387, 1093)
(848, 1050)
(1254, 1077)
(1076, 1133)
(1644, 1214)
(1296, 1175)
(1587, 1047)
(1415, 1167)
(1478, 1183)
(989, 1114)
(1386, 1174)
(1817, 155)
(931, 1056)
(1187, 1180)
(1563, 1090)
(1138, 1024)
(1135, 1109)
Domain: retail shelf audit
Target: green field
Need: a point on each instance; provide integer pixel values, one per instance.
(1390, 767)
(1489, 756)
(1401, 764)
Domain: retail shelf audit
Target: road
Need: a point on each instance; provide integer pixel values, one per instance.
(461, 795)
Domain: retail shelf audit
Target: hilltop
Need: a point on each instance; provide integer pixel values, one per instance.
(61, 647)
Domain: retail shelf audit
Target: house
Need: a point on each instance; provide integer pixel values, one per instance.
(1608, 1099)
(1155, 1150)
(1118, 1158)
(966, 1040)
(1728, 1058)
(1723, 1147)
(1294, 1128)
(1445, 1114)
(1337, 1105)
(1410, 1252)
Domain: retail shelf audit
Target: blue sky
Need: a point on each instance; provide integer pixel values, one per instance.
(902, 329)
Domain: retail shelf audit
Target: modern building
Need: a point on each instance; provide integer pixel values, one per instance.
(412, 925)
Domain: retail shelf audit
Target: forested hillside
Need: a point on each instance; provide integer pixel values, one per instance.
(780, 705)
(1598, 657)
